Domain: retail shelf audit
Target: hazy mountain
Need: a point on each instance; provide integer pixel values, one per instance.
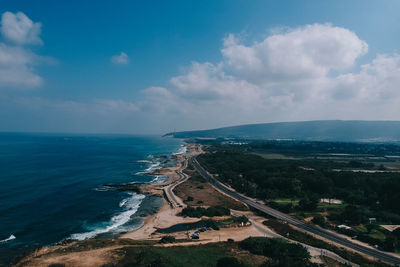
(361, 131)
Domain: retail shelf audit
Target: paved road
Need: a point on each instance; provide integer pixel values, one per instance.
(300, 224)
(168, 189)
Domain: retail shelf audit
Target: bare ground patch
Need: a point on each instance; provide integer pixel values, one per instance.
(197, 192)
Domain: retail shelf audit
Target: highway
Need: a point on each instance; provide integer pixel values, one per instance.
(291, 220)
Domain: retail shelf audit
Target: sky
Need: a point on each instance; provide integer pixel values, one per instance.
(151, 67)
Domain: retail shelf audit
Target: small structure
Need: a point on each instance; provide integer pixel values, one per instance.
(331, 201)
(342, 226)
(372, 220)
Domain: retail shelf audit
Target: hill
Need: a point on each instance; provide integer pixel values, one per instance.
(328, 130)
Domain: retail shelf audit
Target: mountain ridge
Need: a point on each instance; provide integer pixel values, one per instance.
(318, 130)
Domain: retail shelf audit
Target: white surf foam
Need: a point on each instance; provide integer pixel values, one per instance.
(123, 202)
(152, 167)
(158, 179)
(182, 150)
(115, 224)
(144, 161)
(102, 189)
(8, 239)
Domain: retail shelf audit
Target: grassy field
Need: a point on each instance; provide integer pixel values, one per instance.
(377, 235)
(327, 205)
(388, 163)
(285, 201)
(275, 156)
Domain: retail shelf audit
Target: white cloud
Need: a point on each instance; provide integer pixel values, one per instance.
(300, 74)
(376, 82)
(16, 67)
(305, 73)
(297, 54)
(120, 59)
(18, 28)
(17, 62)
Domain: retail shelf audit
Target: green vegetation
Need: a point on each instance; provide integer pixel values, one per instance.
(209, 212)
(167, 239)
(195, 256)
(229, 262)
(270, 179)
(321, 170)
(285, 230)
(235, 220)
(281, 252)
(319, 220)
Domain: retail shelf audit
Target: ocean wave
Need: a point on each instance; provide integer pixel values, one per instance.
(115, 225)
(182, 150)
(102, 188)
(8, 239)
(123, 202)
(152, 167)
(144, 161)
(158, 179)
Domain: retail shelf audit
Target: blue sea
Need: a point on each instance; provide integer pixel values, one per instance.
(52, 187)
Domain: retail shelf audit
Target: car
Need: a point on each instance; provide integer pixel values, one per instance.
(194, 236)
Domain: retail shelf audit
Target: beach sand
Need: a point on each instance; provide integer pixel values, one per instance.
(166, 215)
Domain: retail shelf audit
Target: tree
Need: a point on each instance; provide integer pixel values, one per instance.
(167, 239)
(308, 204)
(229, 262)
(319, 220)
(353, 214)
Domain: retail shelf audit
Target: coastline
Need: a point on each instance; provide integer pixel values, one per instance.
(166, 216)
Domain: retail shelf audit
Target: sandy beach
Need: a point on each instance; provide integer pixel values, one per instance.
(166, 215)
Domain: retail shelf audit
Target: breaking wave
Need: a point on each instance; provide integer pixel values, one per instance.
(115, 225)
(182, 150)
(8, 239)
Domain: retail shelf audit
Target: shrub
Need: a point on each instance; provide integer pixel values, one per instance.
(285, 253)
(307, 204)
(228, 262)
(210, 212)
(241, 219)
(319, 220)
(168, 239)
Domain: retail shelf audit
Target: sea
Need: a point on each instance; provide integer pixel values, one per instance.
(57, 186)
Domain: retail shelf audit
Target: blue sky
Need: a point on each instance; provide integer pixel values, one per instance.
(187, 64)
